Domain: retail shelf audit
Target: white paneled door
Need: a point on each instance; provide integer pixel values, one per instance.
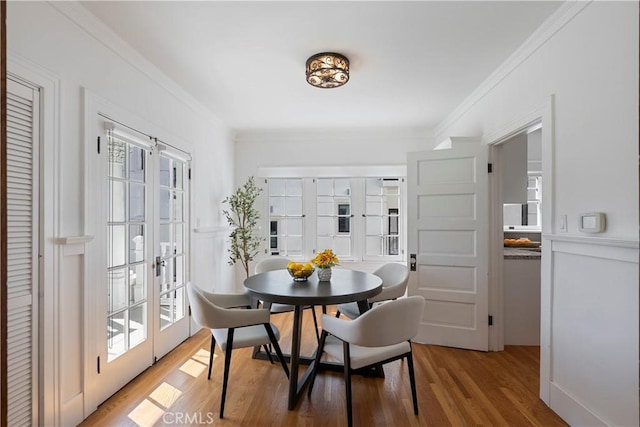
(141, 303)
(448, 243)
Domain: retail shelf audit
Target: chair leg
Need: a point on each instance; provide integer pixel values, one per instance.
(266, 350)
(276, 346)
(227, 363)
(412, 379)
(315, 322)
(319, 351)
(211, 350)
(347, 381)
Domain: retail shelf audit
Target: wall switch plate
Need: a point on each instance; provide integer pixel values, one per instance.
(563, 224)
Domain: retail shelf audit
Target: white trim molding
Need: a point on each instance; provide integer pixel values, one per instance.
(315, 135)
(73, 246)
(551, 26)
(391, 171)
(73, 240)
(212, 230)
(102, 33)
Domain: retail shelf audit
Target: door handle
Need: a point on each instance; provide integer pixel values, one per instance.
(158, 265)
(412, 262)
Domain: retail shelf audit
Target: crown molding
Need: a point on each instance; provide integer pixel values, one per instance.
(345, 134)
(548, 29)
(104, 35)
(332, 171)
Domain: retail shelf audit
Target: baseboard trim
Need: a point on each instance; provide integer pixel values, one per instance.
(572, 411)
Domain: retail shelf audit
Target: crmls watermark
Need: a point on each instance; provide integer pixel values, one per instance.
(188, 418)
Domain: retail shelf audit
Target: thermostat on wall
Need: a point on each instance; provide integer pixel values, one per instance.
(592, 222)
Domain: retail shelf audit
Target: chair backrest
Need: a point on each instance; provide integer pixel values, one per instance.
(395, 278)
(204, 312)
(210, 310)
(271, 263)
(389, 323)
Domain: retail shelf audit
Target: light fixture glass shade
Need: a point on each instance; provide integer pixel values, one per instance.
(327, 70)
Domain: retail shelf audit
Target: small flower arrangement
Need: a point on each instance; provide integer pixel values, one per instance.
(325, 259)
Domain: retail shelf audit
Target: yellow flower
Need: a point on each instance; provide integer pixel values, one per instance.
(325, 259)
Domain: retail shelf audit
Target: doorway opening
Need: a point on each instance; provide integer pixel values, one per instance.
(517, 187)
(521, 195)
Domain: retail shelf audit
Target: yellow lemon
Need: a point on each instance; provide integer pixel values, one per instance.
(307, 267)
(291, 264)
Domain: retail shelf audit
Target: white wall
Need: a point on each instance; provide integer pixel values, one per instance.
(591, 68)
(351, 147)
(49, 39)
(327, 152)
(590, 65)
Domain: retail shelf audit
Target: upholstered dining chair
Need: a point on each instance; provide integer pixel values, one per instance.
(232, 327)
(380, 335)
(276, 262)
(394, 277)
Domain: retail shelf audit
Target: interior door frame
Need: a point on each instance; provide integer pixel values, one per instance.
(543, 114)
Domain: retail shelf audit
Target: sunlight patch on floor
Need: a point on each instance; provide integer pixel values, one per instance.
(197, 364)
(146, 413)
(202, 356)
(193, 368)
(165, 394)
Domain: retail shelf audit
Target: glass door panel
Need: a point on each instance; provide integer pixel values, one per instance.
(126, 268)
(285, 217)
(334, 216)
(172, 241)
(382, 207)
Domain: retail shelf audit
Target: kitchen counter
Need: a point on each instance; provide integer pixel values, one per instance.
(522, 253)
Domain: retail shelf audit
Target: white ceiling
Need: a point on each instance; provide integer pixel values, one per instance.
(412, 62)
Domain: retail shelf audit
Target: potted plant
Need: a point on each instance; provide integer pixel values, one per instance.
(243, 218)
(324, 261)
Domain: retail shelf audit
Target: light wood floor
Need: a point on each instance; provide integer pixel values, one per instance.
(455, 387)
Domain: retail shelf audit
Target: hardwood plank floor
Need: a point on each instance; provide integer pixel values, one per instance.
(455, 388)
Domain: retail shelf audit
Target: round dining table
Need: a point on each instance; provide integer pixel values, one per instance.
(278, 286)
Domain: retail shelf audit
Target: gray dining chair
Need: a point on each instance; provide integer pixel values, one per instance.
(394, 277)
(232, 327)
(276, 262)
(379, 336)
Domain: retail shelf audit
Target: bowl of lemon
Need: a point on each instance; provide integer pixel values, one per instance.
(300, 271)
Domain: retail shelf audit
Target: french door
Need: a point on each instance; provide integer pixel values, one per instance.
(141, 307)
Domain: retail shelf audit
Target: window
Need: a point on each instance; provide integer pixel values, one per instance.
(333, 216)
(285, 217)
(526, 215)
(534, 197)
(360, 219)
(382, 209)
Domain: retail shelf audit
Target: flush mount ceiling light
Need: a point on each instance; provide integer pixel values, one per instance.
(327, 70)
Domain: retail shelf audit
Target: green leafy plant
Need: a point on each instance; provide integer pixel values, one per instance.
(243, 218)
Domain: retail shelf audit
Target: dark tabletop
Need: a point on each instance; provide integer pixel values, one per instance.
(345, 286)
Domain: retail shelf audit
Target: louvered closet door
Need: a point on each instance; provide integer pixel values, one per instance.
(22, 228)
